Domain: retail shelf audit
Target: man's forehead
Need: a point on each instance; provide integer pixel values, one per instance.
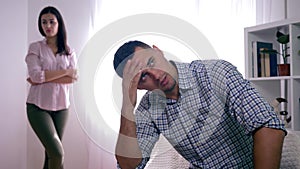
(141, 54)
(145, 53)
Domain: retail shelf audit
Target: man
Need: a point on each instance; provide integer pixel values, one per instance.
(205, 109)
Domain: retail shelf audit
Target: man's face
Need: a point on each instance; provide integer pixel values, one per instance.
(157, 72)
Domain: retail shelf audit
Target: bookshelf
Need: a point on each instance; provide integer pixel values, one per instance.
(287, 87)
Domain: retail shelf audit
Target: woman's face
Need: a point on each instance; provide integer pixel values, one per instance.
(49, 25)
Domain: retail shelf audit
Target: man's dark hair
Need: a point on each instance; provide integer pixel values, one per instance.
(124, 53)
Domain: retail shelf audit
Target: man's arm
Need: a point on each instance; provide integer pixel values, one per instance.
(267, 148)
(128, 153)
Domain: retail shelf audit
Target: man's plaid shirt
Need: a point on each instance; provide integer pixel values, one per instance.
(212, 122)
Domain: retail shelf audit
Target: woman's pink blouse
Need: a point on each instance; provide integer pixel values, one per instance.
(48, 96)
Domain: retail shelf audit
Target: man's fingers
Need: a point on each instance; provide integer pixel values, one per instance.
(132, 71)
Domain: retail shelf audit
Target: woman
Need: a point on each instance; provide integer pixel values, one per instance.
(51, 68)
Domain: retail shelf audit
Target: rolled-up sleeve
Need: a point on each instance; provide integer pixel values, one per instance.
(33, 62)
(249, 106)
(73, 60)
(243, 101)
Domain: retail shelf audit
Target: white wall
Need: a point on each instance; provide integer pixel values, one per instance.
(293, 9)
(12, 72)
(19, 146)
(270, 10)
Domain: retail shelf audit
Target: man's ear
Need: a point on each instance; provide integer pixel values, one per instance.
(157, 49)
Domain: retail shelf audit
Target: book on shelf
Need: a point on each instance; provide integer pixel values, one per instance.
(268, 63)
(273, 64)
(263, 64)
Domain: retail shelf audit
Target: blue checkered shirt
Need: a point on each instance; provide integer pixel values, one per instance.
(212, 122)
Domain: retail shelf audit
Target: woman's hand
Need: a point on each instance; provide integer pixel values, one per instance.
(31, 82)
(72, 73)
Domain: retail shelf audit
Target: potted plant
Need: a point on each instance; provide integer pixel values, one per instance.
(283, 40)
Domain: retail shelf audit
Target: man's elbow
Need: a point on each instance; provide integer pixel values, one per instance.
(127, 162)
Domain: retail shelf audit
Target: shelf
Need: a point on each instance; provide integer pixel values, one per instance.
(276, 86)
(296, 77)
(274, 78)
(271, 78)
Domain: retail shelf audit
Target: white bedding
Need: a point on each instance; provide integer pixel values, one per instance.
(165, 157)
(290, 158)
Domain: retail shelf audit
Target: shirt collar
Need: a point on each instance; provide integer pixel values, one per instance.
(186, 80)
(44, 41)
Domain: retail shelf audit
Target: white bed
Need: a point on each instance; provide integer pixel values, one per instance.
(165, 157)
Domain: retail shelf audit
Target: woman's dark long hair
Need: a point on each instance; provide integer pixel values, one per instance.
(62, 46)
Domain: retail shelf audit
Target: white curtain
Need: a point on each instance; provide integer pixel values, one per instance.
(269, 11)
(223, 22)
